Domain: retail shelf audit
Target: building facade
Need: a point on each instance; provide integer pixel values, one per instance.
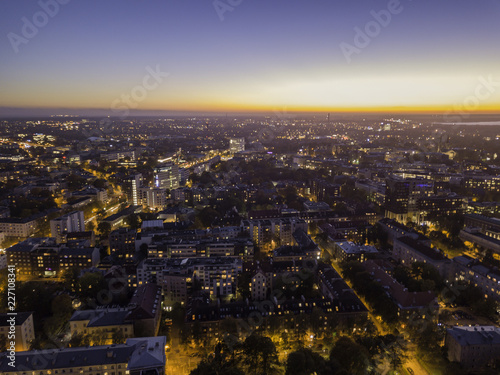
(24, 332)
(71, 222)
(473, 347)
(138, 356)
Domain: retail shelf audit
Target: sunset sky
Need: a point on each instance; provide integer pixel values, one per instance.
(263, 56)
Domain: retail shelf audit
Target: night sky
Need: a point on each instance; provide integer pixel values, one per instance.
(264, 55)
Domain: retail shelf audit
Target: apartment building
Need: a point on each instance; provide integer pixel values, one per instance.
(24, 330)
(473, 347)
(138, 356)
(408, 251)
(71, 222)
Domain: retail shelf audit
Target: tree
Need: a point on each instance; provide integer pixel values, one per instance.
(206, 217)
(244, 280)
(305, 362)
(104, 228)
(3, 343)
(61, 313)
(100, 183)
(98, 339)
(90, 284)
(260, 354)
(351, 356)
(396, 355)
(90, 225)
(79, 339)
(62, 307)
(426, 271)
(223, 361)
(75, 182)
(118, 337)
(69, 277)
(133, 221)
(34, 296)
(373, 291)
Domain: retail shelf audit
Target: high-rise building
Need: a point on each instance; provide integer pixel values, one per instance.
(132, 185)
(72, 222)
(236, 145)
(403, 194)
(152, 197)
(167, 176)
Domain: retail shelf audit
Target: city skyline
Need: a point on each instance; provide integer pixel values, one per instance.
(385, 56)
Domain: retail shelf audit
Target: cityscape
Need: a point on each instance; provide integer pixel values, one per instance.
(188, 188)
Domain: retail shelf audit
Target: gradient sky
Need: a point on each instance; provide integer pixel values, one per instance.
(264, 55)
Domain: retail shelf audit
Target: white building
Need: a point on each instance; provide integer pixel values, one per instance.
(259, 286)
(153, 198)
(24, 330)
(14, 227)
(72, 222)
(346, 250)
(167, 176)
(133, 184)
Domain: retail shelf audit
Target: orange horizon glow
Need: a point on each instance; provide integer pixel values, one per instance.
(287, 109)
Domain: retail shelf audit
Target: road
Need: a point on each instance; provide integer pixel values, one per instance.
(412, 361)
(376, 322)
(415, 365)
(109, 211)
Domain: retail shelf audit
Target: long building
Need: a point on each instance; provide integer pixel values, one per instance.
(280, 230)
(406, 302)
(140, 317)
(465, 268)
(168, 247)
(345, 250)
(138, 356)
(473, 347)
(488, 240)
(44, 257)
(216, 276)
(482, 222)
(19, 228)
(408, 251)
(395, 230)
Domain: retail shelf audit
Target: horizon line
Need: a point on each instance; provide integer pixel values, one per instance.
(23, 112)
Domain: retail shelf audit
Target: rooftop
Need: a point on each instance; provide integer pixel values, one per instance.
(478, 335)
(425, 250)
(21, 317)
(137, 353)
